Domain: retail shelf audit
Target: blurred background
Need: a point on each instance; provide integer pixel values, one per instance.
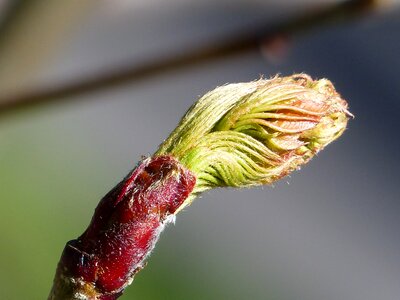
(88, 87)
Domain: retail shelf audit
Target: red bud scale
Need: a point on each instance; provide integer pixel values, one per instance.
(124, 229)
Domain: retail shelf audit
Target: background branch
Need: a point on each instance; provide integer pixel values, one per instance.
(238, 44)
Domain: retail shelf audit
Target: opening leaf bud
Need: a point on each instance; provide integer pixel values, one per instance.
(255, 133)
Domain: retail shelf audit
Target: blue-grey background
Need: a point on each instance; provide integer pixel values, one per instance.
(328, 232)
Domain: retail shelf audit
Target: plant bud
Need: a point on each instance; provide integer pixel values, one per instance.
(255, 133)
(237, 135)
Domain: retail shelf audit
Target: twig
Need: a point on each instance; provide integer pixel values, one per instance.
(235, 45)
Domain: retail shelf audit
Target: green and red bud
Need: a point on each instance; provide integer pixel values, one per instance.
(237, 135)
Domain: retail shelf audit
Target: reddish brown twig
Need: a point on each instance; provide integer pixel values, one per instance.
(123, 231)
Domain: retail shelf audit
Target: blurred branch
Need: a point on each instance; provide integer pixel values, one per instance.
(237, 44)
(8, 12)
(31, 36)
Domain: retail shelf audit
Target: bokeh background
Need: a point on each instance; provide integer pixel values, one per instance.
(328, 232)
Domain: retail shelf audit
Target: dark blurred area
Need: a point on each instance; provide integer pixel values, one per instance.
(328, 232)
